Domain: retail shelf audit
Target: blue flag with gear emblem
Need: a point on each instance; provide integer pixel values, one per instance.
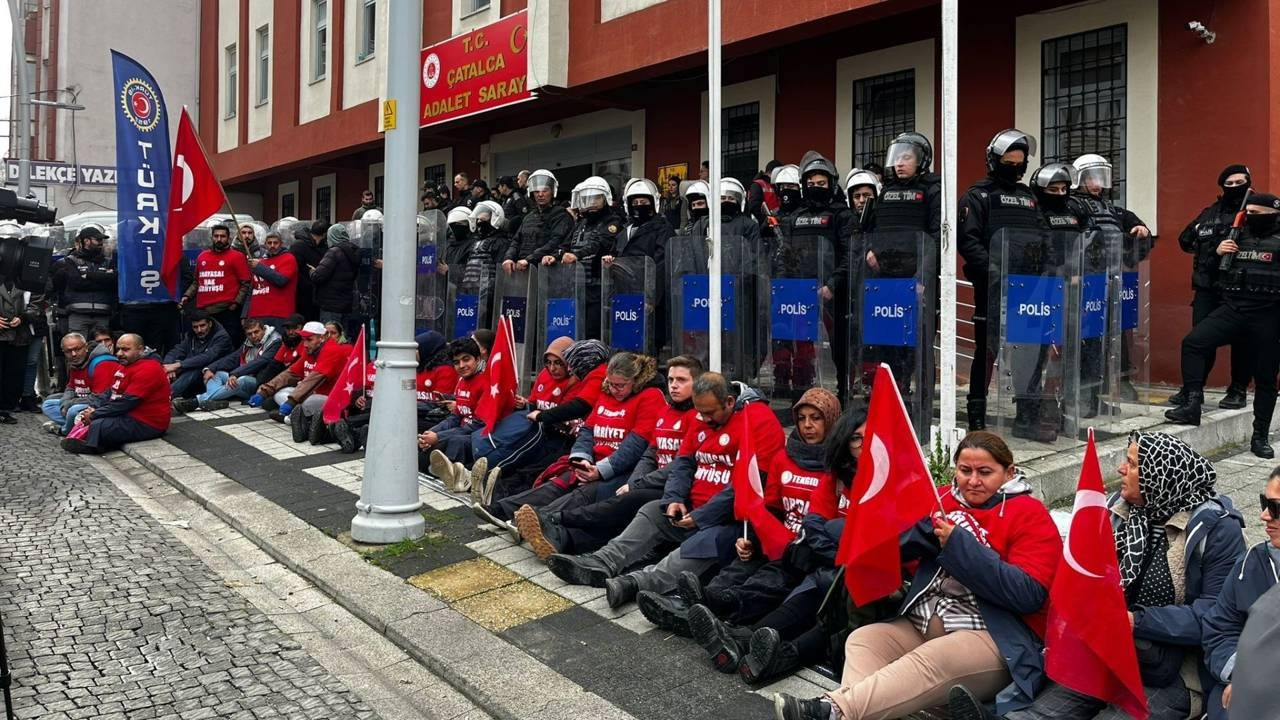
(143, 167)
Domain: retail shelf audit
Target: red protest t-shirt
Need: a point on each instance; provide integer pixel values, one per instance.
(467, 394)
(218, 276)
(827, 500)
(669, 432)
(271, 301)
(791, 487)
(715, 451)
(145, 379)
(611, 421)
(436, 382)
(287, 356)
(548, 392)
(328, 362)
(95, 377)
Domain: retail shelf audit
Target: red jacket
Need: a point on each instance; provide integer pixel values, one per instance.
(791, 488)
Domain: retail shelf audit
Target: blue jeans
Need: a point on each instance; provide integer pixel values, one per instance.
(186, 383)
(216, 388)
(34, 352)
(52, 409)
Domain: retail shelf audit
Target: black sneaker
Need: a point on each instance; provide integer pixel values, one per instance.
(762, 653)
(964, 706)
(721, 642)
(215, 405)
(619, 591)
(668, 613)
(342, 433)
(786, 707)
(579, 569)
(689, 586)
(8, 419)
(186, 405)
(79, 447)
(301, 428)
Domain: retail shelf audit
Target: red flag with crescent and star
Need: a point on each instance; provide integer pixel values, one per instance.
(351, 381)
(891, 491)
(195, 193)
(1084, 647)
(748, 500)
(499, 399)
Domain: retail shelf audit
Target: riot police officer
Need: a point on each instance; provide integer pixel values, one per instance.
(85, 281)
(995, 203)
(479, 262)
(695, 198)
(1250, 311)
(545, 227)
(862, 187)
(594, 235)
(786, 184)
(457, 239)
(1201, 238)
(647, 230)
(818, 234)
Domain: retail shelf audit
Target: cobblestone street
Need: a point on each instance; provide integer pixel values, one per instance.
(107, 615)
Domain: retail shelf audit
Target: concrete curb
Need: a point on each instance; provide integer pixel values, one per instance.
(490, 672)
(1055, 477)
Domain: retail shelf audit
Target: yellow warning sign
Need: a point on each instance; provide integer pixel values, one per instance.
(388, 116)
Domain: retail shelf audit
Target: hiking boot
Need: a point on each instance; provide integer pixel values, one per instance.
(725, 644)
(1188, 414)
(668, 613)
(1179, 398)
(478, 470)
(964, 706)
(1236, 398)
(976, 410)
(186, 405)
(689, 586)
(619, 591)
(580, 569)
(442, 468)
(211, 405)
(342, 433)
(533, 530)
(300, 426)
(1260, 445)
(786, 707)
(768, 657)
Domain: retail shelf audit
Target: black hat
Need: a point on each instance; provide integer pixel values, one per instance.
(507, 180)
(295, 320)
(479, 183)
(1264, 200)
(89, 231)
(1230, 170)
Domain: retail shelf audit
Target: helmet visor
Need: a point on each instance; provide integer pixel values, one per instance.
(1095, 177)
(903, 159)
(541, 182)
(589, 199)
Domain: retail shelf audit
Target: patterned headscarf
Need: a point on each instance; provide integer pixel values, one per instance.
(1172, 478)
(584, 356)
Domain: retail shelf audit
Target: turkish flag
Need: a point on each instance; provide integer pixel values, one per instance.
(1085, 647)
(748, 500)
(352, 378)
(891, 491)
(499, 400)
(194, 194)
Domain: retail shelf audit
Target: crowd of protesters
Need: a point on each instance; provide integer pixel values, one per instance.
(617, 469)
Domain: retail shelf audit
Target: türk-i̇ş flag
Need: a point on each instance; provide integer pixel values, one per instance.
(499, 399)
(748, 500)
(1087, 647)
(194, 194)
(352, 379)
(891, 491)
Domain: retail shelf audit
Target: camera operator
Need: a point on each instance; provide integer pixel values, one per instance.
(16, 316)
(85, 281)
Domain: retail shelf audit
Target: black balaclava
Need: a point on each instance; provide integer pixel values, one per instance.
(640, 213)
(790, 197)
(1263, 225)
(1010, 173)
(1233, 196)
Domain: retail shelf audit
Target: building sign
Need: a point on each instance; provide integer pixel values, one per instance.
(476, 71)
(43, 172)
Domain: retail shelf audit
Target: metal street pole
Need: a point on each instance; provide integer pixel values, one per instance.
(389, 509)
(947, 408)
(22, 98)
(713, 179)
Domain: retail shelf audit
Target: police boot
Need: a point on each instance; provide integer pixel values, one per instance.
(977, 412)
(1023, 420)
(1188, 414)
(1050, 420)
(1260, 445)
(1180, 398)
(1237, 397)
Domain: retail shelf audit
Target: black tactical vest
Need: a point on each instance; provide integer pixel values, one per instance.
(1101, 214)
(1013, 209)
(809, 242)
(1256, 268)
(903, 208)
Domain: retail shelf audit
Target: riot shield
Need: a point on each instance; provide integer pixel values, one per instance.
(195, 242)
(1088, 261)
(1131, 358)
(366, 235)
(514, 298)
(806, 319)
(561, 303)
(431, 295)
(744, 296)
(895, 291)
(628, 305)
(1027, 326)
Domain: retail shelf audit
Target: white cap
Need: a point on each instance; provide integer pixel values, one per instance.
(312, 329)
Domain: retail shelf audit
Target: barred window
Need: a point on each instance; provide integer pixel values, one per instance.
(433, 175)
(1083, 91)
(740, 142)
(884, 106)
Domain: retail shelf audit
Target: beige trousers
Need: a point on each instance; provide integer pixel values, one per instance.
(891, 670)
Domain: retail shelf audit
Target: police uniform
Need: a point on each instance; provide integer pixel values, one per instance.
(992, 205)
(1201, 238)
(594, 236)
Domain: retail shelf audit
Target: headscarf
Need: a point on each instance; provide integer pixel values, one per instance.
(338, 234)
(558, 347)
(430, 344)
(822, 400)
(1172, 477)
(584, 356)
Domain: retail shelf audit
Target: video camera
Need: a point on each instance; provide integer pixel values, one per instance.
(25, 210)
(25, 259)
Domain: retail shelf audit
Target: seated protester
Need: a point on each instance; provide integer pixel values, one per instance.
(582, 521)
(516, 435)
(792, 635)
(135, 407)
(334, 330)
(235, 376)
(275, 283)
(696, 508)
(1166, 496)
(1251, 578)
(185, 362)
(289, 351)
(608, 446)
(976, 606)
(91, 369)
(306, 383)
(1257, 665)
(557, 426)
(751, 585)
(445, 448)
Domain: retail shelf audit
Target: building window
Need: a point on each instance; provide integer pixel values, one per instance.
(324, 203)
(264, 64)
(471, 7)
(884, 106)
(740, 142)
(433, 176)
(288, 205)
(367, 30)
(1083, 89)
(319, 38)
(232, 87)
(378, 185)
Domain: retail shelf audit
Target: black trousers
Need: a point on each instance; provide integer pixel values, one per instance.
(591, 524)
(1256, 326)
(230, 321)
(13, 368)
(983, 358)
(157, 323)
(1203, 303)
(109, 433)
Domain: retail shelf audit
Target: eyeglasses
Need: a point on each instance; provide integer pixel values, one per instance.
(618, 387)
(1271, 505)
